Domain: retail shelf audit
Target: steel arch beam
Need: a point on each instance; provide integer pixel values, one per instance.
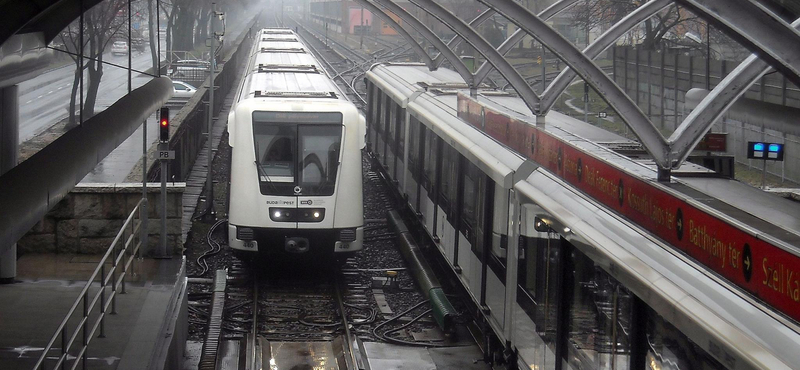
(630, 113)
(757, 28)
(715, 104)
(402, 31)
(457, 63)
(457, 40)
(486, 49)
(518, 35)
(608, 38)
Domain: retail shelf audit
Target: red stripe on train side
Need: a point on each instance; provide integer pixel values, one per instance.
(763, 269)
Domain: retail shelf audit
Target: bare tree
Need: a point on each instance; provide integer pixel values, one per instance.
(599, 14)
(100, 24)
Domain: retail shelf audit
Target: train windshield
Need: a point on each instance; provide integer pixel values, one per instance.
(297, 153)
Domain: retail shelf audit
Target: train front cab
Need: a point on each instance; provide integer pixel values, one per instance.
(316, 209)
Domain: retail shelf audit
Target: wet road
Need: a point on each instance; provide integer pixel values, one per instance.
(43, 100)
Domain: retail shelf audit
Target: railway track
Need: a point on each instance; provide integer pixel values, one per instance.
(325, 309)
(346, 65)
(296, 315)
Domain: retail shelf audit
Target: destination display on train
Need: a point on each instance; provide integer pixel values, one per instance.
(761, 268)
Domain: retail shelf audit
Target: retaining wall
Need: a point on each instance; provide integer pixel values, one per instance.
(87, 220)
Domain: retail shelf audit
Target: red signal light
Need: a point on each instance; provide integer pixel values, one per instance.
(163, 126)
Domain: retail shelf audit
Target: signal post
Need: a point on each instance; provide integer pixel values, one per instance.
(164, 154)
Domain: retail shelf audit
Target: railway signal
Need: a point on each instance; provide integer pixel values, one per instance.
(765, 151)
(163, 125)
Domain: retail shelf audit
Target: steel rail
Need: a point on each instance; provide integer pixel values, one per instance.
(347, 342)
(426, 58)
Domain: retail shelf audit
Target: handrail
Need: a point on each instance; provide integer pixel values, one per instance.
(129, 234)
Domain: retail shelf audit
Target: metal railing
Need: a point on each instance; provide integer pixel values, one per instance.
(127, 243)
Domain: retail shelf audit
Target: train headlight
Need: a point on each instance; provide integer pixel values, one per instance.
(296, 214)
(280, 214)
(311, 214)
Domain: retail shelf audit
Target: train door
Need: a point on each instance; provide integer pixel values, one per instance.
(468, 253)
(538, 305)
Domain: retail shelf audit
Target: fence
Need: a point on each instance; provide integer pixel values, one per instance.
(85, 330)
(188, 139)
(657, 80)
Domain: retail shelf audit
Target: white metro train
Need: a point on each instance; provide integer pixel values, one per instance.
(575, 256)
(296, 155)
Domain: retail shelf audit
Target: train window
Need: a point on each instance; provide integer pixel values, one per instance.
(319, 160)
(370, 101)
(401, 132)
(430, 156)
(599, 316)
(297, 149)
(275, 152)
(669, 349)
(413, 144)
(538, 283)
(483, 209)
(376, 120)
(469, 211)
(447, 190)
(391, 120)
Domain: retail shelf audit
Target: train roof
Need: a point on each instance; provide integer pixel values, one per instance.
(282, 66)
(767, 215)
(702, 298)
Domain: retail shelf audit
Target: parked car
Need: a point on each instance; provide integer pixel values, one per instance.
(119, 48)
(183, 90)
(182, 93)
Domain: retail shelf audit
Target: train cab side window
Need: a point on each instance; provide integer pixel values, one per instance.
(538, 282)
(668, 348)
(599, 315)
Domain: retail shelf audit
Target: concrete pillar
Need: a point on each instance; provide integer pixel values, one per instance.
(9, 149)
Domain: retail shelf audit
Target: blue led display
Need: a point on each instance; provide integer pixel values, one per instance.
(774, 148)
(759, 147)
